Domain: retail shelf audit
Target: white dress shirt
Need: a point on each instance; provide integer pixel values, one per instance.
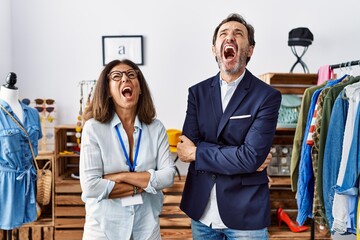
(101, 153)
(211, 216)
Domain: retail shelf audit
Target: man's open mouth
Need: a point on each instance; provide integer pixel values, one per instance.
(229, 52)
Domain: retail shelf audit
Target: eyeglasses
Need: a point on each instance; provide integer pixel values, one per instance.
(41, 101)
(41, 109)
(43, 106)
(117, 75)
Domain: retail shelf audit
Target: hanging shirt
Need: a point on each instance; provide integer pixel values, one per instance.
(332, 153)
(325, 73)
(305, 192)
(101, 153)
(17, 172)
(328, 104)
(300, 134)
(345, 199)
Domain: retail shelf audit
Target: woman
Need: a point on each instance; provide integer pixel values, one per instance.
(125, 160)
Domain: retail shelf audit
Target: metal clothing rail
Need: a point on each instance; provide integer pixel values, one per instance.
(345, 64)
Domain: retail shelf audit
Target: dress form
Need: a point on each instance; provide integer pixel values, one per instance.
(17, 167)
(10, 94)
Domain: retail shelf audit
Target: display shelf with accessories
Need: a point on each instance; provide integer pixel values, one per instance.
(69, 208)
(86, 90)
(46, 108)
(281, 195)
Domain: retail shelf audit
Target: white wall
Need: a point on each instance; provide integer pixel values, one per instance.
(5, 40)
(56, 44)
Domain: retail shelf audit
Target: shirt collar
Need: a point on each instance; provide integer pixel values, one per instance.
(233, 83)
(116, 121)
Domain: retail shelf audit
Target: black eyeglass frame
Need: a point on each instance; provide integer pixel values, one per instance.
(128, 74)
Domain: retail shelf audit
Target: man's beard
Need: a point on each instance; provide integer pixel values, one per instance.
(239, 64)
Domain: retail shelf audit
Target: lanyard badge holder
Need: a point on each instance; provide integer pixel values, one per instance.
(135, 198)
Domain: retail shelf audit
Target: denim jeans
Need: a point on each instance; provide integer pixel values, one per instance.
(202, 232)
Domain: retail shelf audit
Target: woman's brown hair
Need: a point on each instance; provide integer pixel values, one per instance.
(102, 108)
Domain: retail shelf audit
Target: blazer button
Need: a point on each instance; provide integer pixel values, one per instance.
(213, 177)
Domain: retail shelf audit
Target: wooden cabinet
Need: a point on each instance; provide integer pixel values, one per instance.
(69, 210)
(47, 211)
(281, 194)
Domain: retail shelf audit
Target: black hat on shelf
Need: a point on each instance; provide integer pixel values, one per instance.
(301, 36)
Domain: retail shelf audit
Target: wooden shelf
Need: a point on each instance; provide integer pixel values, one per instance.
(280, 181)
(69, 208)
(281, 194)
(48, 222)
(290, 83)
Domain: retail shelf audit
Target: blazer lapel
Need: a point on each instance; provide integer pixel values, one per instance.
(216, 98)
(240, 93)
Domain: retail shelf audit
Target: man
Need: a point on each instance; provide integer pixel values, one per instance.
(227, 134)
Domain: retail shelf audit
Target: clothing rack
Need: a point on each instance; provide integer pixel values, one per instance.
(334, 66)
(345, 64)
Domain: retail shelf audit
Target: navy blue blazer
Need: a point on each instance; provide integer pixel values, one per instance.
(231, 146)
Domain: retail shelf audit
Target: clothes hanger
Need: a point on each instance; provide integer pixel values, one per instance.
(349, 68)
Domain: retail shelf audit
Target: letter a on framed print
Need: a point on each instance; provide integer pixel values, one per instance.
(121, 47)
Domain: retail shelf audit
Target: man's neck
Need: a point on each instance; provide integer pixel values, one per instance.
(230, 77)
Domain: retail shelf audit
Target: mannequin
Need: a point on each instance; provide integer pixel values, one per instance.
(17, 171)
(10, 94)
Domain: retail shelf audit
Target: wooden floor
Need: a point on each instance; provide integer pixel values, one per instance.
(175, 224)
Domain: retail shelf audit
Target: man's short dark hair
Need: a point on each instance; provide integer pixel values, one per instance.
(237, 18)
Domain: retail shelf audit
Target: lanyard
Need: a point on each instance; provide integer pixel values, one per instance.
(132, 166)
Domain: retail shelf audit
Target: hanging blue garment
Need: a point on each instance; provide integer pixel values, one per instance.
(333, 153)
(305, 194)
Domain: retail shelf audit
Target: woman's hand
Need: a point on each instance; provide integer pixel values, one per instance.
(116, 177)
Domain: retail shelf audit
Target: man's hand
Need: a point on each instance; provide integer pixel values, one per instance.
(265, 163)
(186, 149)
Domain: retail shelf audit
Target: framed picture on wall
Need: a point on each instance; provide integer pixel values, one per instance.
(120, 47)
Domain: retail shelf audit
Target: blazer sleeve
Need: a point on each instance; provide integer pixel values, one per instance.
(223, 156)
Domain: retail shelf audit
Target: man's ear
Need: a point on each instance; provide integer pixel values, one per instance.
(251, 50)
(213, 50)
